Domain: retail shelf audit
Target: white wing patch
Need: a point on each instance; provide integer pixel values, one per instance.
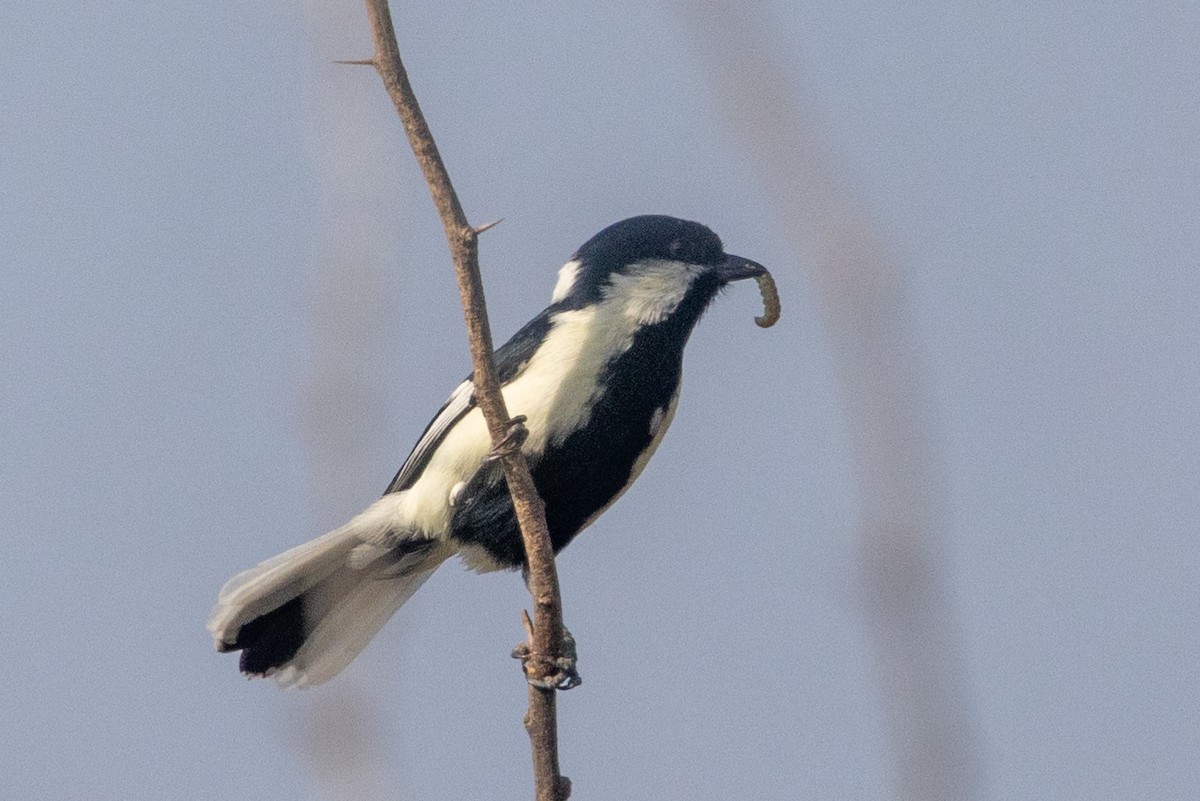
(460, 400)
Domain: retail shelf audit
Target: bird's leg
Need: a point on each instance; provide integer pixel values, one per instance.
(545, 672)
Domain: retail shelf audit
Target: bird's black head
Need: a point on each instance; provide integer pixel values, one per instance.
(654, 264)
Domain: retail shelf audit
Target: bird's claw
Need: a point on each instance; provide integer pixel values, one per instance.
(550, 673)
(514, 438)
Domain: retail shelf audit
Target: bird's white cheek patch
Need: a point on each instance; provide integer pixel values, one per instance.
(651, 291)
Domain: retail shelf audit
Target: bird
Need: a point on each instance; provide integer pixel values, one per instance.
(596, 378)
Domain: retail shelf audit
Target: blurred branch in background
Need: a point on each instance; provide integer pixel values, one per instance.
(860, 290)
(337, 729)
(341, 733)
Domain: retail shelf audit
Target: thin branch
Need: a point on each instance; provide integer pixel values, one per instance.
(463, 239)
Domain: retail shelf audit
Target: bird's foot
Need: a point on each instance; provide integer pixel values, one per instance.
(514, 438)
(550, 673)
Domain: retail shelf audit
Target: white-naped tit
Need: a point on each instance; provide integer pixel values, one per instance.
(596, 377)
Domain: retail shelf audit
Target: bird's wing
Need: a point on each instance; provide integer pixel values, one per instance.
(511, 359)
(461, 401)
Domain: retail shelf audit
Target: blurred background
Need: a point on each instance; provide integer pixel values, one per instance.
(932, 536)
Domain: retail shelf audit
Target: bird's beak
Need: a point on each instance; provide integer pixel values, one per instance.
(735, 268)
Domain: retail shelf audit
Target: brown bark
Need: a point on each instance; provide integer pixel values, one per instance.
(546, 640)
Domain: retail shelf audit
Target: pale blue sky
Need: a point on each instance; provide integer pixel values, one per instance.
(171, 177)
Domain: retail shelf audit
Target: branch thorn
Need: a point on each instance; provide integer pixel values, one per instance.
(479, 229)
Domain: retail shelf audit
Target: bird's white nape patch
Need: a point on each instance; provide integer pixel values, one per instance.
(648, 292)
(567, 275)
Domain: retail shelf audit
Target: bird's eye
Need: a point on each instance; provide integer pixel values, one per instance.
(675, 246)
